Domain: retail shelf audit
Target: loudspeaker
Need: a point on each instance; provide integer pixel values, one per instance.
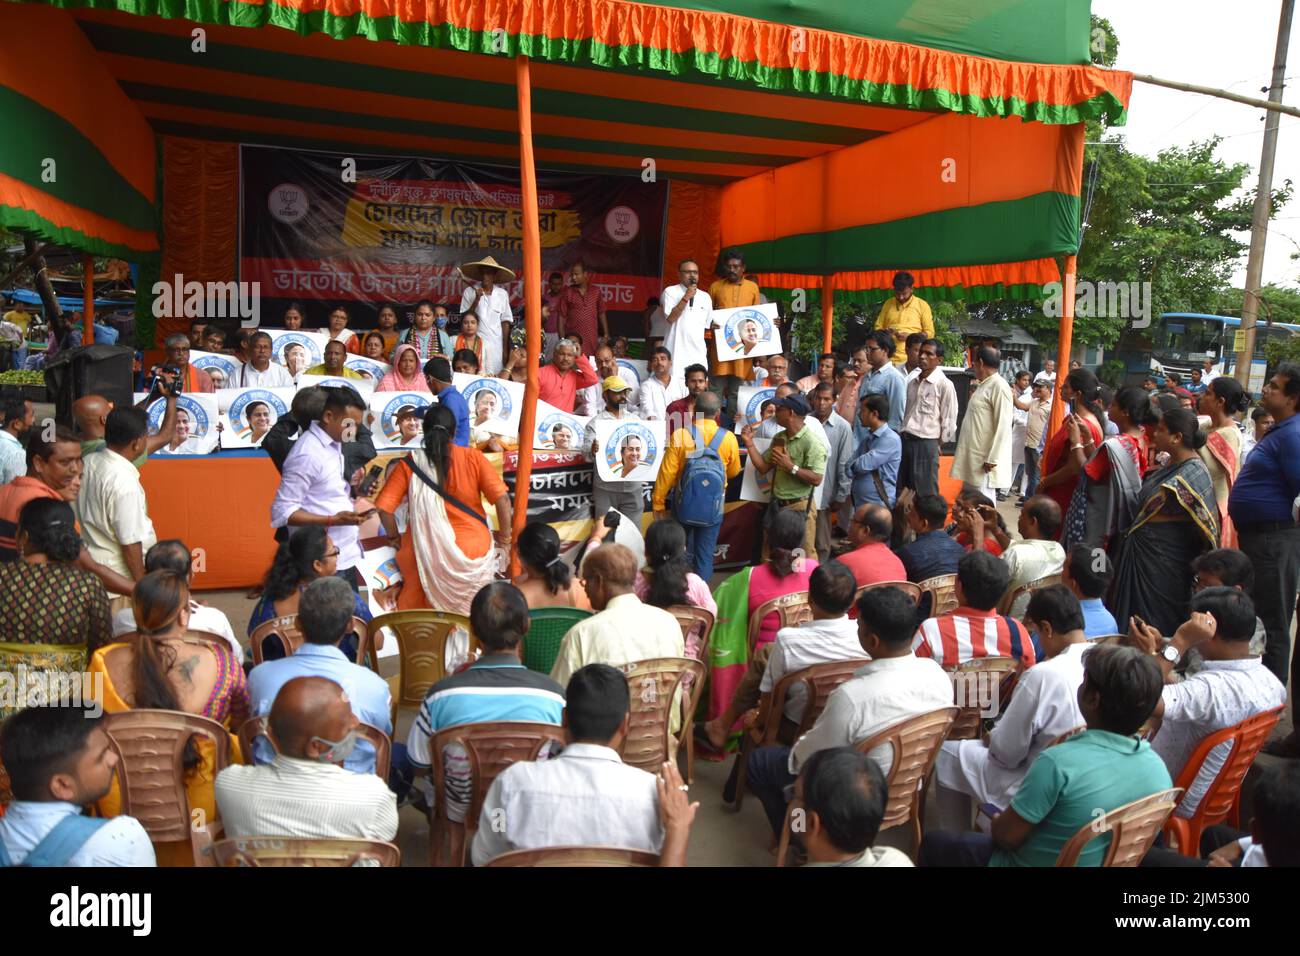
(107, 370)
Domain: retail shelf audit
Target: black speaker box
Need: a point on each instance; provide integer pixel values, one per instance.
(107, 370)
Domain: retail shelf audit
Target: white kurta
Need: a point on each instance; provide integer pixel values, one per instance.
(685, 338)
(985, 436)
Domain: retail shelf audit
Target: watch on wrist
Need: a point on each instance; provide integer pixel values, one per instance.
(1171, 654)
(794, 469)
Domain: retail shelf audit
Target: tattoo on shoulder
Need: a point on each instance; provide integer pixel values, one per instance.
(187, 667)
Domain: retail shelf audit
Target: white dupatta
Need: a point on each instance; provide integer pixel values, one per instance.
(450, 579)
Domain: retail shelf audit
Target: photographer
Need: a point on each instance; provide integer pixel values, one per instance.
(90, 412)
(191, 379)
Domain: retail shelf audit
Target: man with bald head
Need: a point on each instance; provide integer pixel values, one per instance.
(623, 629)
(90, 412)
(871, 560)
(1038, 553)
(303, 793)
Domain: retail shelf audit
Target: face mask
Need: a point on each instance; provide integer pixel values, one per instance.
(440, 321)
(338, 750)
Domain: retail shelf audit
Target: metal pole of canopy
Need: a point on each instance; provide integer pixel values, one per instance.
(1063, 348)
(828, 312)
(88, 300)
(532, 273)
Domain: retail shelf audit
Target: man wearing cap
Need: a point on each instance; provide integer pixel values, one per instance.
(558, 383)
(491, 303)
(437, 372)
(582, 309)
(626, 497)
(799, 462)
(904, 314)
(409, 423)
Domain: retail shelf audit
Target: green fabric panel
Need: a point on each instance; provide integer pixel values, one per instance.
(1017, 230)
(873, 298)
(83, 177)
(25, 220)
(693, 66)
(355, 122)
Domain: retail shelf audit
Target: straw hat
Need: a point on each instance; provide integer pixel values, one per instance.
(474, 270)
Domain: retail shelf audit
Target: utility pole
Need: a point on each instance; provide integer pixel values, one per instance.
(1263, 202)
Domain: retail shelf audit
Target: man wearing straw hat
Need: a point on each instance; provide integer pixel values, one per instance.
(491, 303)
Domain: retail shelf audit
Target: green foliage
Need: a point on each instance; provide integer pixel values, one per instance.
(806, 332)
(1112, 373)
(1277, 303)
(944, 314)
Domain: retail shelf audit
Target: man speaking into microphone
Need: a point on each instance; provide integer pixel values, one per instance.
(688, 310)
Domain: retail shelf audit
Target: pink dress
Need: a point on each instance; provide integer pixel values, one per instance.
(765, 585)
(697, 595)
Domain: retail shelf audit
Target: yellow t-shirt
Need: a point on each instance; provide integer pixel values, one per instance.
(20, 319)
(912, 316)
(346, 373)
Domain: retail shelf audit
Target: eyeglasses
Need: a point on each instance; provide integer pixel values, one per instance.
(330, 554)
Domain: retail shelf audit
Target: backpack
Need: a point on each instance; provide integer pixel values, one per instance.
(702, 488)
(61, 844)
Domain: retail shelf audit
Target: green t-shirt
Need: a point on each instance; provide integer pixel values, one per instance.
(95, 444)
(806, 451)
(1068, 784)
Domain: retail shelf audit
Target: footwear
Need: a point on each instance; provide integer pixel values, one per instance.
(1287, 747)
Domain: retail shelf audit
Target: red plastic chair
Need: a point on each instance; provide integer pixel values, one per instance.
(1222, 800)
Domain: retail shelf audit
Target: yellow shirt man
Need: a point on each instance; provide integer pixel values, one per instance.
(682, 444)
(904, 319)
(20, 319)
(322, 370)
(732, 295)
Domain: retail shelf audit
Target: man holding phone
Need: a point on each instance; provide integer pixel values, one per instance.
(689, 312)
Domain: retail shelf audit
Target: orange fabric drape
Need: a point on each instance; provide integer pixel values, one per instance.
(200, 215)
(1032, 272)
(694, 229)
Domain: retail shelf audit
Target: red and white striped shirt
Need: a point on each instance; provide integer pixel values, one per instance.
(968, 633)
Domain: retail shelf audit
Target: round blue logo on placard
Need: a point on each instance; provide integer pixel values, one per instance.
(388, 417)
(629, 447)
(368, 367)
(754, 410)
(297, 351)
(747, 329)
(222, 369)
(386, 575)
(628, 372)
(559, 431)
(487, 399)
(196, 414)
(246, 407)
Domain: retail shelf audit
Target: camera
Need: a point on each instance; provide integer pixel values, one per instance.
(168, 380)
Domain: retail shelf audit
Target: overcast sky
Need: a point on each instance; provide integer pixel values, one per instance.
(1228, 46)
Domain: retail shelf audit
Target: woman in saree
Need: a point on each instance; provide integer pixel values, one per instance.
(446, 553)
(1177, 520)
(406, 374)
(163, 669)
(1060, 468)
(1221, 454)
(1105, 498)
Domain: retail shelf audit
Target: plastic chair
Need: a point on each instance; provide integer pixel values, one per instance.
(1014, 602)
(966, 686)
(656, 686)
(491, 747)
(281, 851)
(912, 590)
(943, 593)
(792, 609)
(284, 632)
(255, 727)
(546, 629)
(818, 681)
(577, 856)
(1221, 800)
(1132, 829)
(915, 742)
(150, 746)
(695, 622)
(422, 638)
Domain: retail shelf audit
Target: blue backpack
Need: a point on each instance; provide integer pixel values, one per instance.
(702, 488)
(61, 844)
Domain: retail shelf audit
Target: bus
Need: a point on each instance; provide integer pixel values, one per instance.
(1181, 341)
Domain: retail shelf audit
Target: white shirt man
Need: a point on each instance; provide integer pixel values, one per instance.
(586, 796)
(654, 397)
(1044, 706)
(492, 310)
(685, 338)
(814, 642)
(931, 407)
(112, 509)
(1030, 559)
(305, 799)
(274, 375)
(122, 841)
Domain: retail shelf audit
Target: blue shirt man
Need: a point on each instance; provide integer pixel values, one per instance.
(930, 555)
(1097, 621)
(886, 380)
(437, 372)
(1270, 477)
(879, 453)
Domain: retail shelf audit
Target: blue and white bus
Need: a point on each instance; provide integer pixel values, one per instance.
(1181, 341)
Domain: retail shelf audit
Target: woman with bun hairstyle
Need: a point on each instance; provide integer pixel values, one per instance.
(1105, 499)
(1081, 430)
(1222, 399)
(545, 579)
(1177, 520)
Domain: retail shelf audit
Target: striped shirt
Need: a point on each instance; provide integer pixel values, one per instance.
(968, 633)
(304, 799)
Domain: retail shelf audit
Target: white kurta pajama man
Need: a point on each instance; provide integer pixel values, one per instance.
(985, 436)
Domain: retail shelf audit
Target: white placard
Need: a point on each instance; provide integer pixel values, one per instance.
(222, 369)
(750, 402)
(298, 351)
(384, 427)
(621, 443)
(196, 419)
(746, 332)
(237, 404)
(378, 569)
(632, 371)
(373, 369)
(753, 486)
(494, 404)
(558, 430)
(363, 386)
